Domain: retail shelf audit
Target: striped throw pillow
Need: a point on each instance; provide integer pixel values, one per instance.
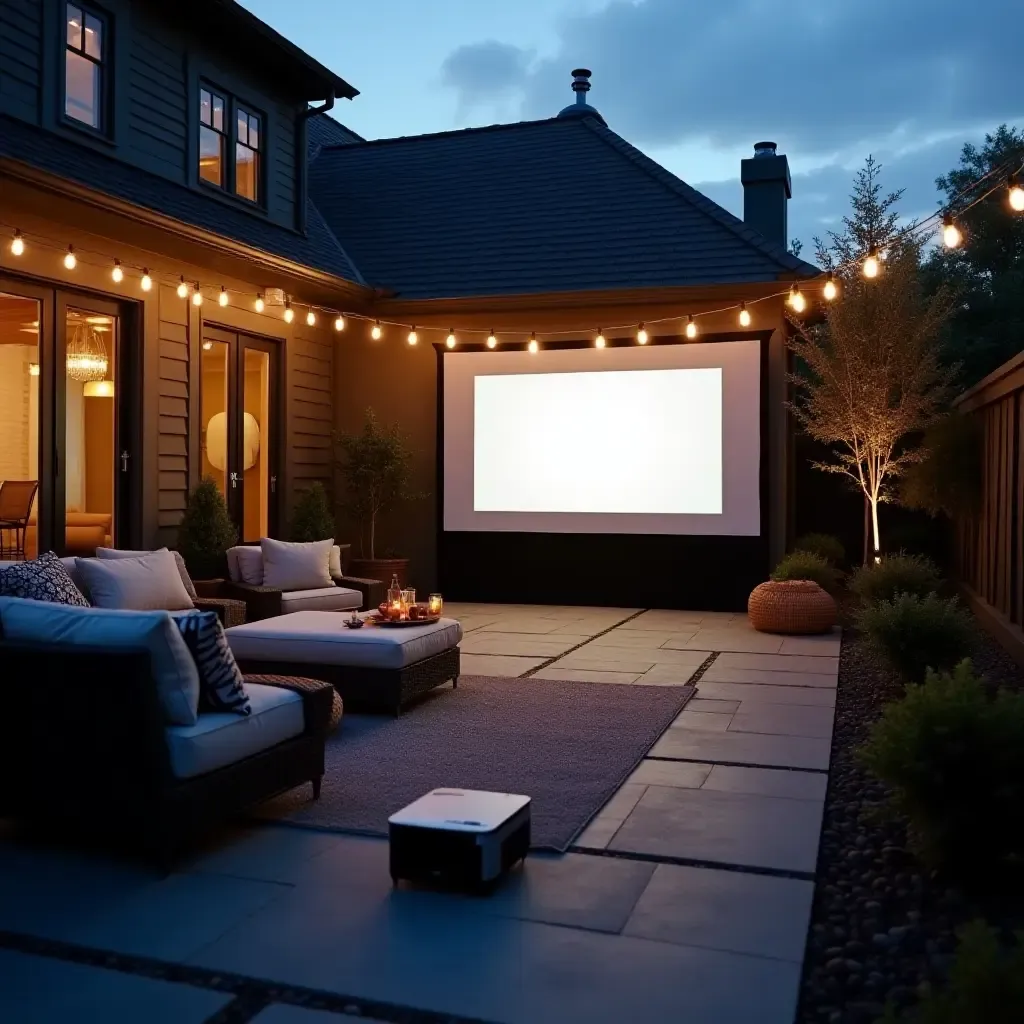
(220, 680)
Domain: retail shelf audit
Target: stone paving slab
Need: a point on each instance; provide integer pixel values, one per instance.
(42, 990)
(717, 673)
(816, 645)
(782, 719)
(764, 693)
(743, 641)
(670, 773)
(780, 663)
(792, 785)
(705, 721)
(722, 827)
(728, 910)
(546, 645)
(646, 657)
(643, 638)
(498, 664)
(715, 707)
(744, 748)
(585, 675)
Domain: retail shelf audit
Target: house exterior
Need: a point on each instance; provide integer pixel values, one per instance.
(183, 221)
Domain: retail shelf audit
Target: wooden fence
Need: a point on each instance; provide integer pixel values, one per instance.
(990, 546)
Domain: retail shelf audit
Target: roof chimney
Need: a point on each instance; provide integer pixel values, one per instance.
(581, 86)
(767, 189)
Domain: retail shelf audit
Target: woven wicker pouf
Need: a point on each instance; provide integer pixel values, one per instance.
(791, 606)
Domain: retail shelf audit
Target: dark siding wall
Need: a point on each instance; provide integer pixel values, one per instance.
(20, 58)
(281, 184)
(173, 419)
(309, 381)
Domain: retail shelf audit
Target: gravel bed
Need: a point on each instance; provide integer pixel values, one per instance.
(883, 927)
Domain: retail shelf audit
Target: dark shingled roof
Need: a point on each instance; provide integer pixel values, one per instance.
(318, 249)
(557, 205)
(323, 130)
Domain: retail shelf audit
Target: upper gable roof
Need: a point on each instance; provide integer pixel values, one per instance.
(558, 205)
(322, 130)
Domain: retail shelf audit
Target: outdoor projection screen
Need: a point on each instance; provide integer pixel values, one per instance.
(658, 440)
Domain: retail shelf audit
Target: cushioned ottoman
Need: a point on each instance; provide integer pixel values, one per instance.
(374, 668)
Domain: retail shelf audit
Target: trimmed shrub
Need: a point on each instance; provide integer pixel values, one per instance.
(206, 532)
(896, 574)
(803, 565)
(824, 545)
(986, 983)
(912, 634)
(312, 518)
(953, 758)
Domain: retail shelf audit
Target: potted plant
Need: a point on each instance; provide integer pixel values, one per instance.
(204, 536)
(312, 518)
(374, 467)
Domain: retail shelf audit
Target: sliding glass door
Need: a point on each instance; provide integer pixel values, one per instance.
(240, 427)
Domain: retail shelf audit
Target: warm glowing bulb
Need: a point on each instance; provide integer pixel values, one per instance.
(182, 289)
(641, 335)
(197, 295)
(70, 259)
(259, 305)
(450, 340)
(533, 346)
(491, 340)
(146, 282)
(830, 290)
(375, 331)
(1016, 196)
(117, 273)
(339, 323)
(951, 234)
(17, 244)
(871, 264)
(413, 337)
(207, 346)
(33, 369)
(691, 328)
(222, 299)
(289, 313)
(744, 315)
(599, 340)
(311, 318)
(797, 300)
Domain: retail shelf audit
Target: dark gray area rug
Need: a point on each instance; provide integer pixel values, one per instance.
(567, 745)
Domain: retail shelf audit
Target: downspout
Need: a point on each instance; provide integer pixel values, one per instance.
(302, 158)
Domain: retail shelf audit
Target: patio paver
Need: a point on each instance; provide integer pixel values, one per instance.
(765, 693)
(744, 748)
(498, 664)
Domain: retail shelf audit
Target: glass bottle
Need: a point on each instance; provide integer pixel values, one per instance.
(394, 593)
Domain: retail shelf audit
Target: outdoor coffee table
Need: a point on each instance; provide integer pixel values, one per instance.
(375, 668)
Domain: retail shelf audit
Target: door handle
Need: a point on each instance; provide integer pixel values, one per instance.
(124, 461)
(234, 479)
(273, 484)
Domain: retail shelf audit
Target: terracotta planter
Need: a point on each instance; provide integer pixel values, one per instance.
(380, 569)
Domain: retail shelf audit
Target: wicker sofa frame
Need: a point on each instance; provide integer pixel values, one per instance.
(375, 690)
(82, 748)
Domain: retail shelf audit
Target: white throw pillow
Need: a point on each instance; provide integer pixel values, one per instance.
(145, 583)
(291, 566)
(245, 564)
(174, 671)
(334, 565)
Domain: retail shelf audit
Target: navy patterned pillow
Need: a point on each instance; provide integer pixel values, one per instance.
(43, 579)
(220, 679)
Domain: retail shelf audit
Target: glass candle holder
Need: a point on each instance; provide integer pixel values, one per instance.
(408, 599)
(436, 603)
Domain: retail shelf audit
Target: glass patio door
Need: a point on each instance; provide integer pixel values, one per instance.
(239, 399)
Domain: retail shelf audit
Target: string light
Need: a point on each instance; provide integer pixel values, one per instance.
(796, 299)
(222, 299)
(289, 313)
(146, 282)
(197, 295)
(17, 244)
(599, 341)
(117, 273)
(871, 263)
(641, 335)
(311, 318)
(182, 288)
(744, 315)
(450, 340)
(70, 259)
(951, 234)
(691, 327)
(492, 341)
(533, 346)
(413, 337)
(339, 323)
(259, 305)
(376, 331)
(1016, 194)
(830, 290)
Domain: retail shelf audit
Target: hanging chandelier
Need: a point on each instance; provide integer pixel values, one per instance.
(87, 354)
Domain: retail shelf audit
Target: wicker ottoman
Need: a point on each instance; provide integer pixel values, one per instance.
(791, 606)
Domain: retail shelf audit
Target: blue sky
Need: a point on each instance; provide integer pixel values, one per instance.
(694, 83)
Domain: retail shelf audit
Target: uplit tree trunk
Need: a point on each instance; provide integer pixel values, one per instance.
(867, 529)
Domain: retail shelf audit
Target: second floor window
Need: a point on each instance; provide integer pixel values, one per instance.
(84, 66)
(229, 146)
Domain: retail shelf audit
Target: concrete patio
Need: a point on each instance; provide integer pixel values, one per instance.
(687, 898)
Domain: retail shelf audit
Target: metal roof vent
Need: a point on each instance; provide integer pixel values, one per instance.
(581, 108)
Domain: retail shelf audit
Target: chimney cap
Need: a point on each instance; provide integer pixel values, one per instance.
(765, 148)
(581, 86)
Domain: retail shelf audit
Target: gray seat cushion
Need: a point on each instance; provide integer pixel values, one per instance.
(220, 738)
(323, 599)
(321, 638)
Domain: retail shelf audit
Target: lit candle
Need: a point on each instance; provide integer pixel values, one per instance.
(436, 604)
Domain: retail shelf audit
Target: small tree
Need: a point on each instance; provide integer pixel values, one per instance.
(874, 376)
(312, 518)
(206, 531)
(375, 470)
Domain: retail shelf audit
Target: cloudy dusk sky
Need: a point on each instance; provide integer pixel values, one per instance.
(693, 83)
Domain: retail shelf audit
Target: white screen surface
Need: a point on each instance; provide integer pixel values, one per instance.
(658, 440)
(556, 442)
